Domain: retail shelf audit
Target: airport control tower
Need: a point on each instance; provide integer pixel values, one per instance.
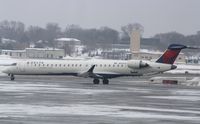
(135, 38)
(134, 31)
(135, 44)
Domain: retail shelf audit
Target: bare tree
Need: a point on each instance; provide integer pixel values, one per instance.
(53, 31)
(12, 30)
(36, 33)
(127, 29)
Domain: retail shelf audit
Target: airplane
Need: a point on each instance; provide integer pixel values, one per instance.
(98, 69)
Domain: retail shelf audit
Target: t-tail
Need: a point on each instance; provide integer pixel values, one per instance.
(171, 54)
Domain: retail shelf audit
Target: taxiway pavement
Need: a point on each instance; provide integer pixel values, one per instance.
(71, 100)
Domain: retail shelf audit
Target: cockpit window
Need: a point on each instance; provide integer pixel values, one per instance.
(14, 64)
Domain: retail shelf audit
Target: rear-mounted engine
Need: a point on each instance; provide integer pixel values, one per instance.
(137, 64)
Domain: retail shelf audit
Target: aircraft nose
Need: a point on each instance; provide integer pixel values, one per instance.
(6, 70)
(173, 67)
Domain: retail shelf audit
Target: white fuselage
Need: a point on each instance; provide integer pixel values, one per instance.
(106, 68)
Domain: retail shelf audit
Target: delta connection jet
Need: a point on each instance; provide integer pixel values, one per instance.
(96, 68)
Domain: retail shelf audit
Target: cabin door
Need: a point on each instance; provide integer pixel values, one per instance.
(22, 66)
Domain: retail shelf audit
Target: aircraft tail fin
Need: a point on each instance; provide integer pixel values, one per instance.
(171, 54)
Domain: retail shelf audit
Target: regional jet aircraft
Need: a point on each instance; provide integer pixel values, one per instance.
(95, 68)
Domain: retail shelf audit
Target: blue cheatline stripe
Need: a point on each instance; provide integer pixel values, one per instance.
(76, 74)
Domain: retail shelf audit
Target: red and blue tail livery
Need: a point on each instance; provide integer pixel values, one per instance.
(171, 54)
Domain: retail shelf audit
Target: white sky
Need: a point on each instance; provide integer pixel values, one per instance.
(157, 16)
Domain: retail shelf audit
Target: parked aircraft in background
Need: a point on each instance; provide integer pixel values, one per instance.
(96, 68)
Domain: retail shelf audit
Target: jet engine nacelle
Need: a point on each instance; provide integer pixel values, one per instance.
(137, 64)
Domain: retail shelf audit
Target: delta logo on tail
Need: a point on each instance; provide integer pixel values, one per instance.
(171, 54)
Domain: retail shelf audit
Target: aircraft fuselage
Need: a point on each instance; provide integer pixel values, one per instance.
(106, 68)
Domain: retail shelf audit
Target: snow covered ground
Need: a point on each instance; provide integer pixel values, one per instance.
(186, 69)
(63, 100)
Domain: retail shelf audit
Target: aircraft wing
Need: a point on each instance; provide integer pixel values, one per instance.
(100, 75)
(90, 73)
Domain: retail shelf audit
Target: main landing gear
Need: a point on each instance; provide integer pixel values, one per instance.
(12, 77)
(105, 81)
(96, 81)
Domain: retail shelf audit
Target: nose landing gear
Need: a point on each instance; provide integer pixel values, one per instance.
(12, 77)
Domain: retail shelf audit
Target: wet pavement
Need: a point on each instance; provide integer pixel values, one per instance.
(71, 100)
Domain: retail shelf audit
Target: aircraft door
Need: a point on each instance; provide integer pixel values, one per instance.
(21, 66)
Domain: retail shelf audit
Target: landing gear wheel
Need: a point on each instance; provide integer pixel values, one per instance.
(105, 81)
(12, 77)
(96, 81)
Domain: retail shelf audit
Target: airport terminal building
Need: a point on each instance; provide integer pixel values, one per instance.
(38, 53)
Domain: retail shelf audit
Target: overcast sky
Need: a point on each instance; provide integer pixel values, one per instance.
(157, 16)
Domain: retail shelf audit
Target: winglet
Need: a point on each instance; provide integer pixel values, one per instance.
(91, 69)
